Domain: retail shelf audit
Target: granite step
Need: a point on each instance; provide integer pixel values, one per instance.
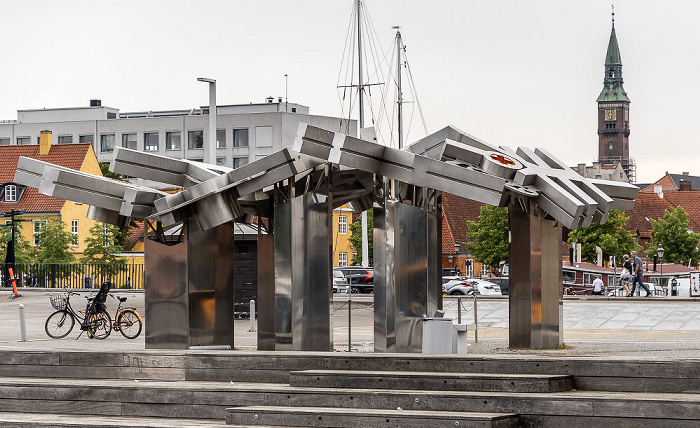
(55, 420)
(339, 417)
(431, 381)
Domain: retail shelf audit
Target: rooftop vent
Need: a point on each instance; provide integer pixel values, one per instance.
(270, 99)
(95, 103)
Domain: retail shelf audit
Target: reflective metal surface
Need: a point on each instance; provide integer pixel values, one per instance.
(166, 299)
(266, 292)
(535, 278)
(210, 286)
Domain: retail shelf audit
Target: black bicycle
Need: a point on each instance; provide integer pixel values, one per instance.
(94, 319)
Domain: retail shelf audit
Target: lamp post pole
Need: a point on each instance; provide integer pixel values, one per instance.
(457, 256)
(660, 253)
(210, 145)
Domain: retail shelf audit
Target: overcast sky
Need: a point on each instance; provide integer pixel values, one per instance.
(511, 72)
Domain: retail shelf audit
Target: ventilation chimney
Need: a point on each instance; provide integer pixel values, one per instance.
(270, 99)
(95, 103)
(45, 142)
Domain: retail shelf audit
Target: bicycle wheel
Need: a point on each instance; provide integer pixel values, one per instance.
(130, 324)
(99, 325)
(59, 324)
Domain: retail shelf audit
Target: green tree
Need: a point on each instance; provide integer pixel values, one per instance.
(54, 241)
(25, 252)
(611, 237)
(356, 239)
(488, 237)
(102, 250)
(121, 233)
(679, 242)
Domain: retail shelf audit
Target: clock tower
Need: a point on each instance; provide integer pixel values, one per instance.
(613, 113)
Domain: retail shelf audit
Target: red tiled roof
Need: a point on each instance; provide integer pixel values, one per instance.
(667, 185)
(455, 213)
(66, 155)
(134, 236)
(648, 206)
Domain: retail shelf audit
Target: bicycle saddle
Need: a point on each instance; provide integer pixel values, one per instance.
(122, 299)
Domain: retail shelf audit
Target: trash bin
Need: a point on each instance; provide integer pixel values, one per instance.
(439, 336)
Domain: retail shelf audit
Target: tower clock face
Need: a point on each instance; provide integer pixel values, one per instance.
(610, 114)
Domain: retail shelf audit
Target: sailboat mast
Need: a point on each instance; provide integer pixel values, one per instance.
(360, 88)
(399, 101)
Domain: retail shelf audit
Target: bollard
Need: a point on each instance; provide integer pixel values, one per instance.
(349, 318)
(459, 310)
(476, 326)
(22, 324)
(252, 315)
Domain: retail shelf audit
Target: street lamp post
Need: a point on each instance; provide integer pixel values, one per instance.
(450, 258)
(210, 145)
(660, 254)
(457, 256)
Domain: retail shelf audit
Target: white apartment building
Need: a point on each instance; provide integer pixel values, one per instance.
(245, 132)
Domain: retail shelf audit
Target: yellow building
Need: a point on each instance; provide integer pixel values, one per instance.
(342, 248)
(39, 207)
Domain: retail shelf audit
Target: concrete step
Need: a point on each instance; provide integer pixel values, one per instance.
(23, 420)
(337, 417)
(209, 400)
(430, 381)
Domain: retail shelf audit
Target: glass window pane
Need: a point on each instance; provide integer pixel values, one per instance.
(107, 142)
(4, 141)
(195, 139)
(239, 162)
(240, 138)
(86, 139)
(172, 140)
(10, 193)
(65, 139)
(23, 141)
(129, 141)
(150, 141)
(220, 138)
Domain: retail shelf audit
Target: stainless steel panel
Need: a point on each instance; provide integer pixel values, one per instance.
(210, 286)
(266, 292)
(383, 240)
(283, 276)
(311, 273)
(166, 300)
(535, 278)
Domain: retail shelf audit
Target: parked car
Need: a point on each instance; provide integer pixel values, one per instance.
(501, 281)
(486, 288)
(455, 285)
(339, 281)
(361, 279)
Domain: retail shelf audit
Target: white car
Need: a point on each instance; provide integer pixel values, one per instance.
(340, 283)
(456, 285)
(486, 288)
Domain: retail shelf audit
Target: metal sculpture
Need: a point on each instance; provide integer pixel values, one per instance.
(296, 190)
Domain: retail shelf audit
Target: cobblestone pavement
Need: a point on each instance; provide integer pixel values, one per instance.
(654, 327)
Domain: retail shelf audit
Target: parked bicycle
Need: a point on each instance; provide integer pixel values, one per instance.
(94, 319)
(126, 320)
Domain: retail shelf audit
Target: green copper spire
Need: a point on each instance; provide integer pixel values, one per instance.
(612, 85)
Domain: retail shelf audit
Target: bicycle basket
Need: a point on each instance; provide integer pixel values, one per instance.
(59, 301)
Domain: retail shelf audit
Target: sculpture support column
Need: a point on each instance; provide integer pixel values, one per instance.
(303, 264)
(535, 278)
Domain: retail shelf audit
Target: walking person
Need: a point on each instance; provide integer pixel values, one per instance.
(637, 272)
(626, 276)
(597, 286)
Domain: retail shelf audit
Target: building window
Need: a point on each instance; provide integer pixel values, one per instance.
(588, 278)
(129, 141)
(569, 276)
(23, 141)
(610, 145)
(469, 268)
(342, 259)
(172, 140)
(65, 139)
(105, 235)
(220, 138)
(74, 231)
(240, 138)
(263, 136)
(88, 138)
(484, 270)
(10, 193)
(107, 142)
(150, 141)
(38, 225)
(4, 141)
(343, 224)
(221, 161)
(195, 139)
(239, 162)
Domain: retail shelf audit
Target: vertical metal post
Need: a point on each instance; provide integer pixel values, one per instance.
(22, 324)
(210, 144)
(252, 315)
(476, 326)
(349, 317)
(459, 310)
